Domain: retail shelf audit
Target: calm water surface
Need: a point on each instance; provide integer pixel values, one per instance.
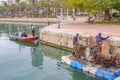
(20, 61)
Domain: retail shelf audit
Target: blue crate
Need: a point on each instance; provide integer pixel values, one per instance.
(76, 64)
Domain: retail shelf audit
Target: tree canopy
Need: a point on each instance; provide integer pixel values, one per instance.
(92, 5)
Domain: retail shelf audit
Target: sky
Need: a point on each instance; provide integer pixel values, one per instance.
(3, 0)
(1, 3)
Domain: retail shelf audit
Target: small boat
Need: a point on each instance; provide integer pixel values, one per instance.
(24, 38)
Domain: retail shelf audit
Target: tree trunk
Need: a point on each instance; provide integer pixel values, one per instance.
(107, 15)
(54, 12)
(39, 12)
(12, 13)
(47, 11)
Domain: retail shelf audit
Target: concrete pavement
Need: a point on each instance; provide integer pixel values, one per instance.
(79, 26)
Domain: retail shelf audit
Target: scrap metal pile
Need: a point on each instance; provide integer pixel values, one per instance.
(106, 54)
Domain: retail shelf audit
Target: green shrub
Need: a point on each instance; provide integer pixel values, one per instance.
(109, 22)
(116, 15)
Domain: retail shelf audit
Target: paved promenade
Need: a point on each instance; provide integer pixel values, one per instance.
(79, 26)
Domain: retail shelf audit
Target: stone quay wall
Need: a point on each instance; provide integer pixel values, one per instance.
(57, 38)
(61, 39)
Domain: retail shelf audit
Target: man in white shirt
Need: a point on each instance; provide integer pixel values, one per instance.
(33, 30)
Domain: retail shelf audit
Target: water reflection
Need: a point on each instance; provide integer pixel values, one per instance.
(53, 52)
(22, 45)
(36, 52)
(37, 56)
(27, 44)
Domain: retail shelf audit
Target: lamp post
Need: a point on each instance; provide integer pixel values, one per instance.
(67, 12)
(61, 12)
(73, 11)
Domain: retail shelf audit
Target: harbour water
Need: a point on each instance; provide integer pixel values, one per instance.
(20, 61)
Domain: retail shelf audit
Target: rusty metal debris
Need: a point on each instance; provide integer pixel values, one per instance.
(105, 54)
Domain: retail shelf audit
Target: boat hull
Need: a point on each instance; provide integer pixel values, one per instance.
(27, 39)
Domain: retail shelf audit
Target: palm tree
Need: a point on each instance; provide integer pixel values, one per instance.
(6, 8)
(1, 9)
(22, 6)
(12, 9)
(54, 6)
(46, 5)
(29, 10)
(38, 6)
(17, 4)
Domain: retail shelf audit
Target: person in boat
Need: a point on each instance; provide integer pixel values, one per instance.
(33, 30)
(99, 38)
(16, 34)
(21, 34)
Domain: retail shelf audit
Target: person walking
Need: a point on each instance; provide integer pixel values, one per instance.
(33, 30)
(73, 17)
(58, 20)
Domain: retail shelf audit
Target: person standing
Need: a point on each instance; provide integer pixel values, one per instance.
(73, 17)
(99, 38)
(33, 30)
(58, 19)
(75, 39)
(75, 45)
(48, 22)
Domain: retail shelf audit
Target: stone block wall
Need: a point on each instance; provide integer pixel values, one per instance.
(57, 38)
(62, 39)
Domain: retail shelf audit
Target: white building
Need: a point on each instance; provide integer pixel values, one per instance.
(27, 1)
(2, 2)
(10, 2)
